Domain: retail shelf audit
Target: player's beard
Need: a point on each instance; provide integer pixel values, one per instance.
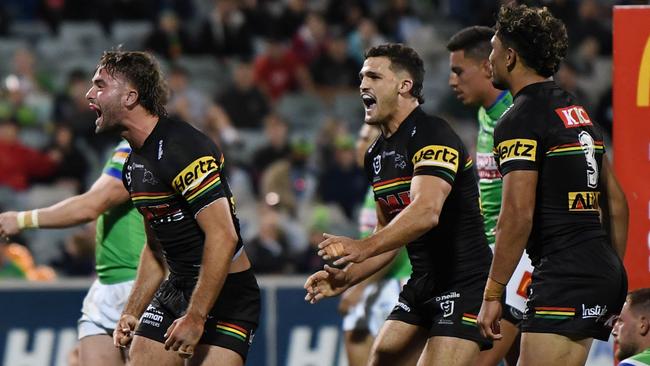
(109, 118)
(626, 350)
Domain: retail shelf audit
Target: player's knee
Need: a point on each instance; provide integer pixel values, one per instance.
(383, 354)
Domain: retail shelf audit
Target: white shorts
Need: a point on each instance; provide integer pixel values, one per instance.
(376, 303)
(102, 308)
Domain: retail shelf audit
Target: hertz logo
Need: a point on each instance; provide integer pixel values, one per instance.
(194, 173)
(516, 149)
(437, 155)
(584, 201)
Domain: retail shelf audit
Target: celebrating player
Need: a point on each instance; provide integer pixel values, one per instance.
(209, 306)
(551, 156)
(427, 197)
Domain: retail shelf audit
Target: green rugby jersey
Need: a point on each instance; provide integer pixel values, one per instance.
(641, 359)
(120, 231)
(489, 177)
(401, 266)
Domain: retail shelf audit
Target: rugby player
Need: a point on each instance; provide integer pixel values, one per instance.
(119, 241)
(208, 307)
(551, 156)
(471, 79)
(427, 199)
(632, 330)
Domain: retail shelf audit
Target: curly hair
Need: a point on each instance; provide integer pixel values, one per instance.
(539, 38)
(142, 71)
(402, 58)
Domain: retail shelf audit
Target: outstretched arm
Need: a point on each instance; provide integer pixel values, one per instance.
(105, 193)
(428, 194)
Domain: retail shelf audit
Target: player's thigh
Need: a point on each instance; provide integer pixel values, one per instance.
(214, 355)
(99, 350)
(145, 352)
(358, 344)
(500, 348)
(449, 351)
(539, 349)
(398, 343)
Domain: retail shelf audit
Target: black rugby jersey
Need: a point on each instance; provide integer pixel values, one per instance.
(171, 178)
(548, 131)
(423, 145)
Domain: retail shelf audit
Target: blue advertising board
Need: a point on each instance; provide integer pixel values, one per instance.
(38, 326)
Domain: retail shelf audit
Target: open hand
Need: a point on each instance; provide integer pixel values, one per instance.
(326, 283)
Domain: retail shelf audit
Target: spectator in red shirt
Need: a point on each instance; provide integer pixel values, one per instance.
(19, 163)
(277, 71)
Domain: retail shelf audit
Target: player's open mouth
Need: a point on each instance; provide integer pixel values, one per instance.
(368, 100)
(97, 110)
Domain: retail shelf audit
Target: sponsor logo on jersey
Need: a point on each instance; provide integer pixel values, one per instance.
(516, 149)
(584, 201)
(403, 306)
(593, 312)
(574, 116)
(194, 173)
(437, 155)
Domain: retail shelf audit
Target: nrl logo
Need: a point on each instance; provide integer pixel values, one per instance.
(447, 308)
(376, 164)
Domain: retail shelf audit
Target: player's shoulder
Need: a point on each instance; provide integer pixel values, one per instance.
(181, 146)
(429, 125)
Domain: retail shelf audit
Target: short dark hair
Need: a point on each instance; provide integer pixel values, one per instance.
(639, 300)
(402, 58)
(539, 38)
(475, 41)
(142, 71)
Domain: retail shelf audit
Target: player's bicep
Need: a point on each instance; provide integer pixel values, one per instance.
(216, 222)
(430, 192)
(107, 192)
(519, 194)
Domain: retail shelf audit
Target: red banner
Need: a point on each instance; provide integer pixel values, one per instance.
(632, 132)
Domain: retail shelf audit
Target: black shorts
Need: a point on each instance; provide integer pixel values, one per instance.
(576, 292)
(449, 310)
(231, 323)
(511, 314)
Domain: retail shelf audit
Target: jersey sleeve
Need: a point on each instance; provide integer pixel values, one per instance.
(517, 144)
(115, 163)
(193, 169)
(435, 152)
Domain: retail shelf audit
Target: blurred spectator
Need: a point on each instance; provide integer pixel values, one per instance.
(276, 132)
(362, 38)
(319, 223)
(78, 257)
(185, 102)
(74, 165)
(605, 112)
(567, 78)
(277, 71)
(309, 41)
(71, 108)
(257, 16)
(29, 79)
(395, 20)
(243, 101)
(289, 184)
(291, 18)
(335, 70)
(330, 131)
(269, 250)
(19, 163)
(225, 32)
(16, 262)
(343, 182)
(592, 23)
(346, 14)
(168, 39)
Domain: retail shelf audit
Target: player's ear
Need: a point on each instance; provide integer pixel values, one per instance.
(131, 98)
(486, 68)
(644, 325)
(405, 86)
(511, 58)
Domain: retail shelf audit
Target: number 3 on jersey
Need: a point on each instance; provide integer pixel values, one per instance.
(589, 148)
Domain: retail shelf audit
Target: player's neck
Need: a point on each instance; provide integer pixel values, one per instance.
(491, 97)
(139, 126)
(524, 78)
(404, 108)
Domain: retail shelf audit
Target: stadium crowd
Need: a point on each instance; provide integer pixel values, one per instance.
(273, 82)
